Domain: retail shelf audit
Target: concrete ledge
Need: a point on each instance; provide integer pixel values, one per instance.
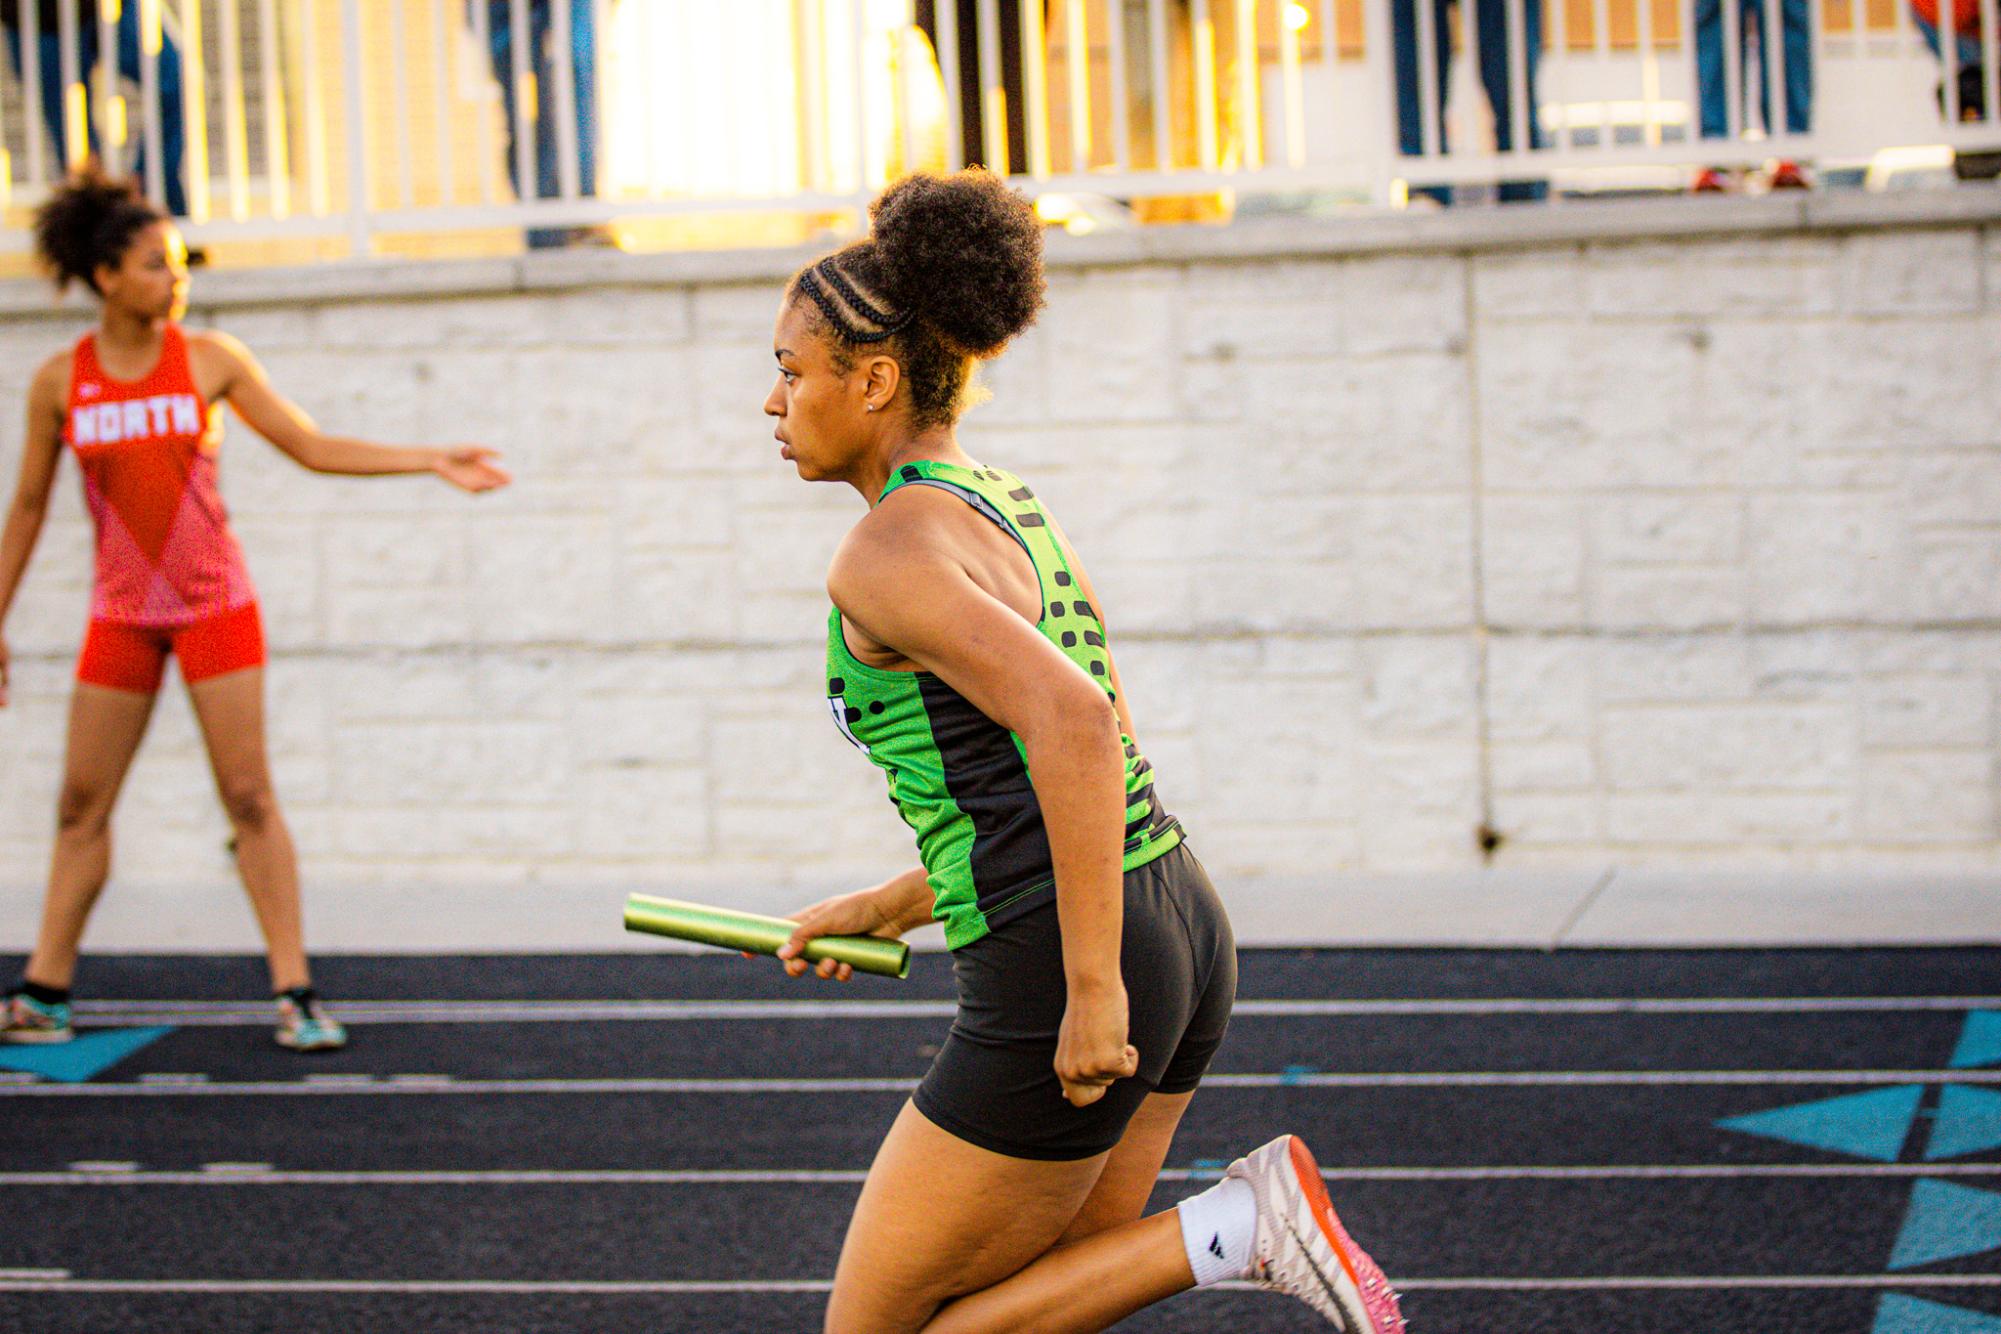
(1363, 233)
(1510, 908)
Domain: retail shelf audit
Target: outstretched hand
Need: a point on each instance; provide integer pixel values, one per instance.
(470, 468)
(1091, 1048)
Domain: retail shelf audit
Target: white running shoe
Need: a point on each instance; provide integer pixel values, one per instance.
(1302, 1250)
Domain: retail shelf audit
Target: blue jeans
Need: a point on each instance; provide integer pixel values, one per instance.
(500, 34)
(172, 127)
(1492, 42)
(1798, 43)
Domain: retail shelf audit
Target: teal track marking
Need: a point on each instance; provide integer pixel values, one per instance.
(1979, 1041)
(1947, 1221)
(1870, 1125)
(1907, 1315)
(1969, 1121)
(83, 1057)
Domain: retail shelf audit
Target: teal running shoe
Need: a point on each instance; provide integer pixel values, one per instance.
(305, 1025)
(25, 1019)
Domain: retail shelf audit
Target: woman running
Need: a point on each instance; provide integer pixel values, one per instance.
(138, 401)
(1095, 967)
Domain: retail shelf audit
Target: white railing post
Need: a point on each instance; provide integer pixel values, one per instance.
(1650, 121)
(1556, 67)
(1250, 111)
(1432, 132)
(1121, 93)
(110, 105)
(1514, 14)
(1205, 83)
(947, 26)
(399, 74)
(235, 131)
(568, 177)
(277, 149)
(76, 112)
(527, 98)
(354, 78)
(1078, 42)
(194, 110)
(152, 128)
(1990, 58)
(1035, 89)
(442, 42)
(1162, 85)
(1948, 56)
(32, 74)
(1292, 89)
(1736, 81)
(993, 91)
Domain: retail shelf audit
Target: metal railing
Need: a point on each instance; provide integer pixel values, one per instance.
(360, 120)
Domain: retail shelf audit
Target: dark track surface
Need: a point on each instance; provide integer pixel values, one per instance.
(1397, 1150)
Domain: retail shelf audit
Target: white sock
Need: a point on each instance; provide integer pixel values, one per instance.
(1217, 1228)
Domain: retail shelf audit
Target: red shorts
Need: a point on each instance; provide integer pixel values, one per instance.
(134, 657)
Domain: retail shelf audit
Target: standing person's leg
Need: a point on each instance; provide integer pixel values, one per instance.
(230, 709)
(1798, 38)
(1709, 68)
(105, 728)
(49, 75)
(542, 65)
(1407, 55)
(1751, 28)
(1496, 76)
(583, 46)
(173, 130)
(1409, 107)
(500, 49)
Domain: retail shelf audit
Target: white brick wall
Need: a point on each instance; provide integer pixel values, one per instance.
(1671, 550)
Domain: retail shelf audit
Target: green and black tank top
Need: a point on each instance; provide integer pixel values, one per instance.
(957, 777)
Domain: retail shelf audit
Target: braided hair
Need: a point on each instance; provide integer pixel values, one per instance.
(950, 273)
(89, 221)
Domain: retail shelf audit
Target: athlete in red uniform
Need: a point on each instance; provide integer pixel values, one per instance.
(139, 403)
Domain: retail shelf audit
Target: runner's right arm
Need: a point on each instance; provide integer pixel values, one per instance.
(31, 495)
(898, 905)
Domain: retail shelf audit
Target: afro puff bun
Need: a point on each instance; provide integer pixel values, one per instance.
(964, 253)
(89, 221)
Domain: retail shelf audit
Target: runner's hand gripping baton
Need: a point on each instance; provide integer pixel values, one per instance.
(730, 930)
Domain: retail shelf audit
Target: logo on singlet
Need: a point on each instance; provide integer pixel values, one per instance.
(839, 705)
(134, 419)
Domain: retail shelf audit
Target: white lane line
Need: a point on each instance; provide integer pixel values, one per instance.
(257, 1174)
(696, 1287)
(33, 1275)
(1639, 1283)
(1599, 1078)
(230, 1014)
(471, 1287)
(318, 1087)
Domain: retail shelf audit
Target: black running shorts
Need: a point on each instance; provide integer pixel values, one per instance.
(994, 1083)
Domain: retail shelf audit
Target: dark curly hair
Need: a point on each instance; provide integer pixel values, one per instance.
(950, 272)
(90, 220)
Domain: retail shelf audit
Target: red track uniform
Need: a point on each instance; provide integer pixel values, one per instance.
(170, 575)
